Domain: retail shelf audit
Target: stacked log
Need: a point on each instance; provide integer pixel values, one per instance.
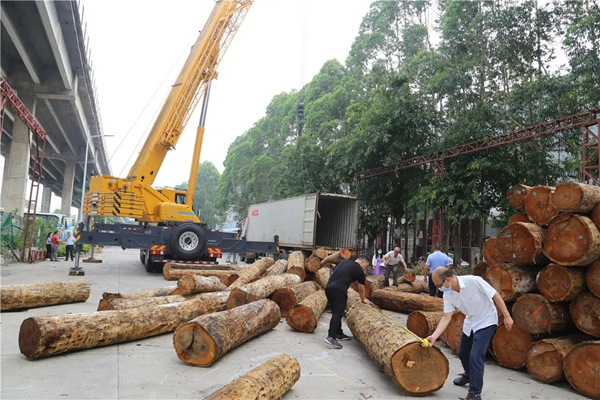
(129, 303)
(423, 323)
(280, 267)
(207, 338)
(261, 289)
(394, 300)
(491, 253)
(581, 368)
(575, 197)
(535, 314)
(545, 358)
(190, 284)
(17, 297)
(517, 195)
(509, 348)
(558, 283)
(321, 253)
(480, 268)
(592, 278)
(270, 380)
(174, 274)
(164, 291)
(572, 240)
(287, 298)
(585, 312)
(337, 257)
(312, 263)
(322, 277)
(296, 264)
(252, 272)
(518, 217)
(521, 243)
(511, 281)
(305, 315)
(539, 206)
(453, 332)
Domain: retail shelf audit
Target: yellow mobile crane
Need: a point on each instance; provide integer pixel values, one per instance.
(169, 229)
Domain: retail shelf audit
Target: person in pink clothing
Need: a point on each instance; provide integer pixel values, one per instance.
(377, 262)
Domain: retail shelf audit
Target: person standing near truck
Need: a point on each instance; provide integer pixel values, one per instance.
(69, 244)
(55, 242)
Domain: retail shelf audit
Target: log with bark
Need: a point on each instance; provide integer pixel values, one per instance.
(287, 298)
(545, 358)
(322, 277)
(165, 291)
(32, 295)
(558, 283)
(394, 300)
(414, 368)
(518, 217)
(595, 215)
(575, 197)
(312, 263)
(516, 196)
(376, 281)
(296, 264)
(592, 278)
(280, 267)
(453, 332)
(129, 303)
(585, 311)
(417, 286)
(408, 277)
(535, 314)
(44, 336)
(320, 252)
(491, 253)
(190, 284)
(261, 289)
(218, 267)
(538, 205)
(480, 268)
(337, 257)
(521, 243)
(367, 285)
(205, 339)
(254, 271)
(305, 315)
(509, 348)
(511, 281)
(572, 240)
(423, 323)
(581, 368)
(173, 274)
(270, 380)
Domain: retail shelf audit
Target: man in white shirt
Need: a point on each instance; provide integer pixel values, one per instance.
(473, 296)
(391, 261)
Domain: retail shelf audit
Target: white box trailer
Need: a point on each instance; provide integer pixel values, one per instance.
(304, 223)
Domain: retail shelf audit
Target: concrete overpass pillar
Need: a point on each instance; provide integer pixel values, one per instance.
(67, 192)
(46, 197)
(4, 184)
(17, 174)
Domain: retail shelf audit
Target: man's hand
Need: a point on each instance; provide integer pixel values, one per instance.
(508, 322)
(425, 278)
(431, 339)
(367, 301)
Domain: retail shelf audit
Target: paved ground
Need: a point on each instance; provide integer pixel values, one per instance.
(150, 369)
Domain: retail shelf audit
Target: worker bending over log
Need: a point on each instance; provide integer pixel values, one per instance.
(473, 296)
(343, 275)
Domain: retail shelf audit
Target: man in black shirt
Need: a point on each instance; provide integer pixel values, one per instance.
(343, 275)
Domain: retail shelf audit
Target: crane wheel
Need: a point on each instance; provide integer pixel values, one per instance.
(187, 241)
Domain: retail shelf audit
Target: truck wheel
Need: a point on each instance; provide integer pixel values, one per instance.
(143, 256)
(187, 241)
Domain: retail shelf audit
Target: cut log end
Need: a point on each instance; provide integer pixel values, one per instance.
(558, 283)
(186, 283)
(516, 196)
(581, 368)
(592, 278)
(585, 311)
(417, 324)
(535, 314)
(237, 298)
(510, 347)
(29, 338)
(302, 319)
(412, 365)
(409, 277)
(194, 345)
(285, 299)
(544, 363)
(106, 305)
(572, 240)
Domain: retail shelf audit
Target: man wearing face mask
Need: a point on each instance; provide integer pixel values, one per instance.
(475, 298)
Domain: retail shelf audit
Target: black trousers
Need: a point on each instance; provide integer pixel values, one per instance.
(337, 301)
(69, 249)
(472, 355)
(49, 251)
(433, 289)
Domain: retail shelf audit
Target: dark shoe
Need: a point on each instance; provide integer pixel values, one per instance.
(333, 342)
(341, 336)
(461, 381)
(473, 396)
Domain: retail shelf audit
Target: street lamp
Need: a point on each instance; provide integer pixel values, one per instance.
(87, 149)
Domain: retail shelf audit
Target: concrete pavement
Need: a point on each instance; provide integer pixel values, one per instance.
(150, 369)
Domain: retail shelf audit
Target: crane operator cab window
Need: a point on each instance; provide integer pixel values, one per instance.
(180, 198)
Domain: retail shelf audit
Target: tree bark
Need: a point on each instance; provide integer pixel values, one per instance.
(44, 336)
(413, 287)
(572, 240)
(521, 243)
(337, 257)
(405, 302)
(518, 217)
(453, 332)
(511, 281)
(516, 196)
(538, 205)
(200, 267)
(545, 358)
(129, 303)
(581, 368)
(190, 284)
(296, 264)
(322, 277)
(287, 298)
(376, 281)
(585, 311)
(480, 268)
(261, 289)
(280, 267)
(174, 274)
(558, 283)
(305, 315)
(423, 323)
(595, 215)
(510, 347)
(320, 252)
(207, 338)
(535, 314)
(165, 291)
(414, 368)
(43, 294)
(270, 380)
(252, 272)
(491, 253)
(367, 285)
(575, 197)
(592, 278)
(312, 263)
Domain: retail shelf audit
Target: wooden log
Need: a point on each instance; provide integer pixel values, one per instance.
(261, 289)
(296, 264)
(207, 338)
(595, 215)
(575, 197)
(367, 285)
(252, 272)
(521, 243)
(190, 284)
(535, 314)
(412, 367)
(538, 205)
(585, 311)
(32, 295)
(453, 332)
(299, 271)
(322, 276)
(44, 336)
(129, 303)
(491, 253)
(581, 368)
(572, 240)
(280, 267)
(517, 195)
(376, 281)
(592, 278)
(164, 291)
(173, 274)
(287, 298)
(405, 302)
(200, 267)
(320, 252)
(312, 263)
(329, 265)
(518, 217)
(417, 286)
(408, 277)
(510, 347)
(511, 281)
(270, 380)
(480, 268)
(545, 358)
(305, 315)
(558, 283)
(423, 323)
(337, 257)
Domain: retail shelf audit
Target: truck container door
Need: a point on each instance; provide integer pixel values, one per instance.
(309, 220)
